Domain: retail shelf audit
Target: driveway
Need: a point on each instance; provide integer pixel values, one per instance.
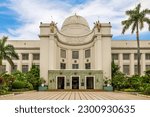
(73, 95)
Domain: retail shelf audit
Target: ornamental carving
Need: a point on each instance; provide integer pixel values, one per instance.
(97, 25)
(52, 26)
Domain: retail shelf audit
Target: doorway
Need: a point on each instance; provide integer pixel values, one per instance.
(75, 82)
(60, 82)
(89, 83)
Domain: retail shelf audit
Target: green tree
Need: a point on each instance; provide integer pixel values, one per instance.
(6, 52)
(136, 20)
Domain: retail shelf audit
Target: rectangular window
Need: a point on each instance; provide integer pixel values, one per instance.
(25, 56)
(36, 56)
(13, 69)
(147, 56)
(126, 69)
(147, 67)
(75, 66)
(62, 66)
(114, 56)
(136, 57)
(87, 65)
(3, 69)
(75, 54)
(63, 53)
(126, 56)
(87, 53)
(24, 68)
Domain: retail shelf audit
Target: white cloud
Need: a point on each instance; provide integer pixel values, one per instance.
(32, 12)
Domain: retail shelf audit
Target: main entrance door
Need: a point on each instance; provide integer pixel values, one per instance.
(75, 82)
(60, 82)
(89, 82)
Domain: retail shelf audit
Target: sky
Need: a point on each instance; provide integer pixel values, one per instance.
(20, 19)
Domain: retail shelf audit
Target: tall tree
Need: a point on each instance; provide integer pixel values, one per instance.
(7, 51)
(136, 20)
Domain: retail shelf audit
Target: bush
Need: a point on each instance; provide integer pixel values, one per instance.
(18, 85)
(147, 91)
(29, 86)
(129, 90)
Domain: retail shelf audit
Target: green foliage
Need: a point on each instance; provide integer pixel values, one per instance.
(33, 77)
(18, 85)
(19, 76)
(119, 81)
(147, 91)
(114, 69)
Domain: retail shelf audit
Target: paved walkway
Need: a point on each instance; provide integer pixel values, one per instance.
(73, 95)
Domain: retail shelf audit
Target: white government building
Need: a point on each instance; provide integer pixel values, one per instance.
(77, 57)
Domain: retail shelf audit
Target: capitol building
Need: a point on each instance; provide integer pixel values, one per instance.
(77, 57)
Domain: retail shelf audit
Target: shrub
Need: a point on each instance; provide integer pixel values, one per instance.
(147, 91)
(18, 85)
(29, 86)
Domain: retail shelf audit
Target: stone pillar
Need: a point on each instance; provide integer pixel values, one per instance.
(30, 60)
(132, 64)
(81, 59)
(143, 69)
(19, 67)
(8, 67)
(121, 61)
(52, 53)
(98, 53)
(69, 59)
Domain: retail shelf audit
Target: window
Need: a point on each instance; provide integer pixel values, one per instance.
(63, 53)
(136, 57)
(135, 69)
(36, 56)
(25, 56)
(75, 66)
(126, 56)
(126, 69)
(87, 65)
(75, 54)
(62, 66)
(13, 69)
(87, 53)
(3, 68)
(24, 68)
(147, 67)
(147, 56)
(114, 56)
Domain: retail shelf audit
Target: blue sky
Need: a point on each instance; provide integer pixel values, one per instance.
(20, 19)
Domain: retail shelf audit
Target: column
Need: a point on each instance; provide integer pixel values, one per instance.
(143, 69)
(69, 59)
(52, 53)
(132, 64)
(98, 53)
(19, 66)
(8, 67)
(30, 60)
(81, 59)
(121, 61)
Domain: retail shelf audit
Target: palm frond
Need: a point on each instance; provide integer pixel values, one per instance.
(147, 20)
(8, 58)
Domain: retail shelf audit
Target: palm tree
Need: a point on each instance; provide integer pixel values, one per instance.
(7, 51)
(136, 20)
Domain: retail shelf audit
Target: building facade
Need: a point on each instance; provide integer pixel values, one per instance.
(77, 57)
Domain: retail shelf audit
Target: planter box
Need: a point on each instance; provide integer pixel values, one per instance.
(42, 88)
(108, 88)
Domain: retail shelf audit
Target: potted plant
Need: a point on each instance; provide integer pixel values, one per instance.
(42, 86)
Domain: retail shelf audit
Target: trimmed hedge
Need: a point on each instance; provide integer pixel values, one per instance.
(18, 85)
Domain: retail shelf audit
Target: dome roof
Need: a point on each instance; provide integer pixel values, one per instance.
(75, 25)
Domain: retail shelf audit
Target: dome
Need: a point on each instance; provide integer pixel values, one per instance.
(75, 26)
